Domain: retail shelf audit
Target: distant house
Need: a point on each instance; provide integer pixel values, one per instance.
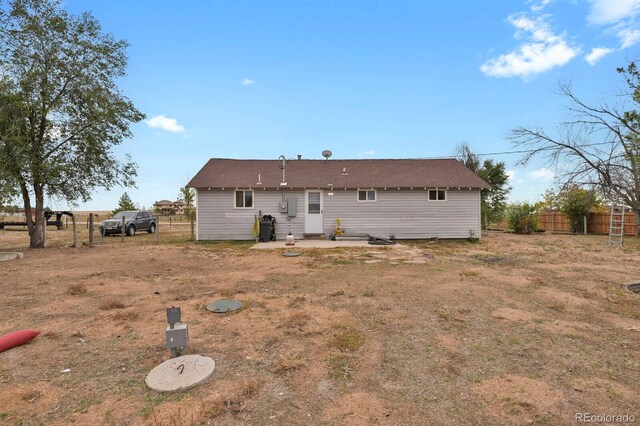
(400, 198)
(168, 208)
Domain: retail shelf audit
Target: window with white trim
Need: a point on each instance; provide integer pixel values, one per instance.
(367, 195)
(437, 195)
(244, 199)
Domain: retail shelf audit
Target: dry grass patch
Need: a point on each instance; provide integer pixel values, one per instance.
(235, 401)
(623, 303)
(76, 290)
(557, 306)
(112, 304)
(342, 366)
(287, 362)
(346, 337)
(125, 316)
(297, 319)
(296, 302)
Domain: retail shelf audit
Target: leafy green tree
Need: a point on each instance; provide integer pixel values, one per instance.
(62, 112)
(187, 196)
(124, 204)
(522, 218)
(493, 199)
(575, 202)
(598, 145)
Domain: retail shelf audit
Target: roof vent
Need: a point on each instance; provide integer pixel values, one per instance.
(344, 171)
(326, 154)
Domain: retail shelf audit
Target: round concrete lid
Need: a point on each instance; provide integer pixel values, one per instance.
(10, 256)
(291, 254)
(180, 373)
(222, 306)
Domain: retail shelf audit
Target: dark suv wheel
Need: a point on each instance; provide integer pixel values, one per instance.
(152, 228)
(131, 231)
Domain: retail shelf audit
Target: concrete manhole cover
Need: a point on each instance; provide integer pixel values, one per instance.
(291, 254)
(10, 256)
(222, 306)
(180, 373)
(634, 288)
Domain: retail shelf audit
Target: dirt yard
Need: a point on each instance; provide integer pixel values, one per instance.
(514, 329)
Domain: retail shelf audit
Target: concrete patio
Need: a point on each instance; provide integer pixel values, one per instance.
(317, 244)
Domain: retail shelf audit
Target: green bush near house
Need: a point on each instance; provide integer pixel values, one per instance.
(522, 218)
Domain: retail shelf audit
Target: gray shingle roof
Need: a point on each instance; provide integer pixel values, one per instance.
(403, 173)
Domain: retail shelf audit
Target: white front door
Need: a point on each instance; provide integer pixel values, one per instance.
(313, 211)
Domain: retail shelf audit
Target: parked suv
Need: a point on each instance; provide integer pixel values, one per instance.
(134, 221)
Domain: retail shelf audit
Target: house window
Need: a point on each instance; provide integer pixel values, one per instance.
(368, 195)
(437, 195)
(244, 199)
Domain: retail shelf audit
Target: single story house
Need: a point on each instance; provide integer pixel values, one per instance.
(392, 198)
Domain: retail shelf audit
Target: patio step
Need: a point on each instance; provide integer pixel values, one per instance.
(314, 237)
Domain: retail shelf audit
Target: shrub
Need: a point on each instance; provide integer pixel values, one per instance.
(522, 218)
(575, 202)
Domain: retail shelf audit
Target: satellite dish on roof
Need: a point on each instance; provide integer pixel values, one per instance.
(326, 154)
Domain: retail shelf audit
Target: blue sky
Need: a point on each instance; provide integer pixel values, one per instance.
(370, 79)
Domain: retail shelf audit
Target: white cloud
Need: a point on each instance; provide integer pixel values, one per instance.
(628, 37)
(619, 17)
(542, 51)
(543, 173)
(369, 153)
(537, 6)
(165, 123)
(597, 53)
(247, 82)
(606, 12)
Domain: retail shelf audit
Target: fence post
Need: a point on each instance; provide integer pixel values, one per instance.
(123, 231)
(75, 233)
(193, 236)
(553, 221)
(585, 224)
(158, 229)
(90, 229)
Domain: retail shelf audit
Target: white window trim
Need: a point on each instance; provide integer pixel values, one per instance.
(436, 200)
(253, 199)
(375, 191)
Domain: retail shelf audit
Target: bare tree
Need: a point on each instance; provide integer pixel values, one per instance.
(597, 147)
(468, 158)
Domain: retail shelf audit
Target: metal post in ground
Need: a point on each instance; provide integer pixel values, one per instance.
(193, 230)
(123, 230)
(158, 229)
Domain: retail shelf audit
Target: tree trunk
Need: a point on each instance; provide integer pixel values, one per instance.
(37, 231)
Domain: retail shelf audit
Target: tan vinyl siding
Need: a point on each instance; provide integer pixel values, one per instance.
(217, 218)
(405, 214)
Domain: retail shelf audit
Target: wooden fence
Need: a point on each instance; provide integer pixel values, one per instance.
(597, 222)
